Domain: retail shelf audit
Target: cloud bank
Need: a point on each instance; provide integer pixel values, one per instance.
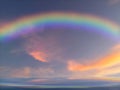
(108, 66)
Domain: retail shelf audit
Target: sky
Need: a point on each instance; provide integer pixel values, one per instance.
(60, 54)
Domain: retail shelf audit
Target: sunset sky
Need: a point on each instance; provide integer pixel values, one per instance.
(59, 53)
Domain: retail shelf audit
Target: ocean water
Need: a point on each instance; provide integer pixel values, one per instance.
(92, 88)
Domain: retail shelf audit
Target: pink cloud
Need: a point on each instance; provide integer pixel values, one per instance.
(43, 49)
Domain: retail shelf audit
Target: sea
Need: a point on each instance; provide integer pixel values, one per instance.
(91, 88)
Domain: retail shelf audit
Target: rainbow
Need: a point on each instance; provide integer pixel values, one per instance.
(24, 24)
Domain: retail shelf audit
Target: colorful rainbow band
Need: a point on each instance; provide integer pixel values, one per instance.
(19, 26)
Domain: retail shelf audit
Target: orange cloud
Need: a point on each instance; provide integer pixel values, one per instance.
(109, 60)
(108, 71)
(75, 66)
(40, 56)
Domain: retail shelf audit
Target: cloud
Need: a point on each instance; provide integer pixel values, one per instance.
(108, 60)
(42, 72)
(108, 72)
(82, 75)
(106, 67)
(75, 66)
(40, 56)
(20, 73)
(38, 80)
(26, 72)
(34, 47)
(116, 47)
(41, 48)
(9, 72)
